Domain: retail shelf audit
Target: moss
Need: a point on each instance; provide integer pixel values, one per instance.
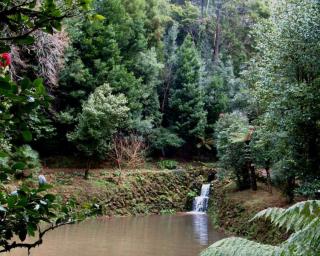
(134, 193)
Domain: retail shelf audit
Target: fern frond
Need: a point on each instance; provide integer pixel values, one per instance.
(303, 218)
(304, 242)
(239, 247)
(295, 217)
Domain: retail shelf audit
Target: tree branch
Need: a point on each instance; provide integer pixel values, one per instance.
(29, 246)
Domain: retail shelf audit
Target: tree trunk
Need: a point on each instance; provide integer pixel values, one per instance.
(269, 180)
(202, 8)
(268, 177)
(217, 38)
(86, 173)
(249, 165)
(253, 177)
(243, 178)
(312, 148)
(165, 95)
(290, 188)
(163, 152)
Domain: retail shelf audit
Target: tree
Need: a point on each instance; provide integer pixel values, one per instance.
(231, 131)
(170, 57)
(186, 101)
(149, 69)
(234, 20)
(162, 138)
(223, 93)
(19, 19)
(101, 115)
(123, 51)
(283, 81)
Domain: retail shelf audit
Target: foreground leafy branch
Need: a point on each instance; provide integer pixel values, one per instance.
(39, 241)
(25, 211)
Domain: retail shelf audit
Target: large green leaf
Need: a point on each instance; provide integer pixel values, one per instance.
(27, 135)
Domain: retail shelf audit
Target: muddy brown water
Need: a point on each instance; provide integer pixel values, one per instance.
(166, 235)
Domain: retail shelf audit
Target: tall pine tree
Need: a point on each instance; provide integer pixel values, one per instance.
(186, 101)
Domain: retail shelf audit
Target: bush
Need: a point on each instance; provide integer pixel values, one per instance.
(27, 162)
(308, 188)
(128, 151)
(168, 164)
(162, 139)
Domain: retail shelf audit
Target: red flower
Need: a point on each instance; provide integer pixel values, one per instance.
(5, 59)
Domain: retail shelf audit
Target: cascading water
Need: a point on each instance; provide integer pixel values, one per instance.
(200, 203)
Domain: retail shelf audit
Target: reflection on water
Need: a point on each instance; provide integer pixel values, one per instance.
(200, 228)
(178, 235)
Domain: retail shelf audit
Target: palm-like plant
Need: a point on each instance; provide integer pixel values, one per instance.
(205, 142)
(303, 219)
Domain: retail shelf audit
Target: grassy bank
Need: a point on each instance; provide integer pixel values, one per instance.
(231, 210)
(131, 192)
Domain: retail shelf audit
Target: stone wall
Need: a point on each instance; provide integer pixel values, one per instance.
(133, 193)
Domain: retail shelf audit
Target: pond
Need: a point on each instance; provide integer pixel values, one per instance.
(165, 235)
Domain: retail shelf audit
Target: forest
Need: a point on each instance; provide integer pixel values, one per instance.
(126, 86)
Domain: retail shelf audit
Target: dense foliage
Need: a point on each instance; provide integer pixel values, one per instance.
(284, 90)
(101, 110)
(231, 132)
(157, 54)
(282, 82)
(26, 208)
(123, 79)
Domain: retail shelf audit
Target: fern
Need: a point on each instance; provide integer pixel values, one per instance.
(302, 218)
(294, 218)
(238, 247)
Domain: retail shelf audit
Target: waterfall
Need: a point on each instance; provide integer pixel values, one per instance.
(200, 203)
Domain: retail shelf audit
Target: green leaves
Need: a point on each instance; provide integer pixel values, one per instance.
(101, 115)
(5, 84)
(27, 40)
(188, 118)
(27, 136)
(231, 132)
(27, 209)
(283, 93)
(21, 19)
(295, 218)
(18, 166)
(303, 218)
(19, 104)
(238, 247)
(98, 17)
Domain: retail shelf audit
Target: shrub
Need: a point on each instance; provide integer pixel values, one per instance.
(308, 188)
(128, 151)
(168, 164)
(162, 139)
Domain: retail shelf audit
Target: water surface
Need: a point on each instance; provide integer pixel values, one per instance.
(176, 235)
